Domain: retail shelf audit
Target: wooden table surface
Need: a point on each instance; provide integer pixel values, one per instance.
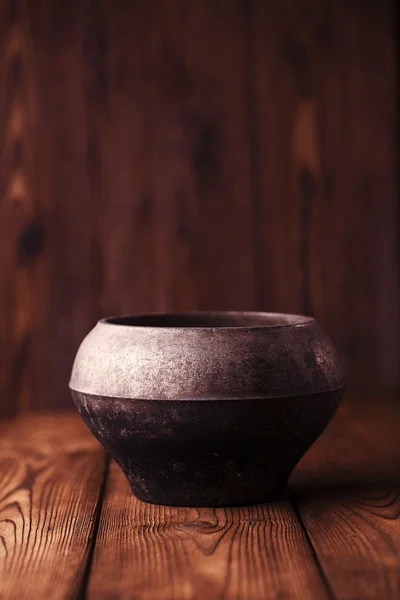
(71, 528)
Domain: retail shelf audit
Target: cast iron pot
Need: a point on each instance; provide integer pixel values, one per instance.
(207, 409)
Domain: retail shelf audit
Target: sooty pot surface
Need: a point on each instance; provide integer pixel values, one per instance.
(207, 409)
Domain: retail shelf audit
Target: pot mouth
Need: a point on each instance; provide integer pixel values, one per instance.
(209, 320)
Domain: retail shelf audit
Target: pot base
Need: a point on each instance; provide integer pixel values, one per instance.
(190, 498)
(207, 452)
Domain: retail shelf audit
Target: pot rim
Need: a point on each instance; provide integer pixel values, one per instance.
(169, 321)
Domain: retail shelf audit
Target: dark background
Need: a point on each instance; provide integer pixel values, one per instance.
(195, 154)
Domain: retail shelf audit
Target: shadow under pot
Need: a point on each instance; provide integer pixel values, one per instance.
(207, 409)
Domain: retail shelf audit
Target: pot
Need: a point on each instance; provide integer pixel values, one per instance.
(207, 408)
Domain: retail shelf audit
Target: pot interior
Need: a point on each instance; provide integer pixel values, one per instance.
(210, 320)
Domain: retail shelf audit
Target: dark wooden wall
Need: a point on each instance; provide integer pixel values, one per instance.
(195, 154)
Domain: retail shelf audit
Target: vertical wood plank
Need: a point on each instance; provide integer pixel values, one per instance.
(201, 168)
(122, 177)
(45, 210)
(328, 216)
(180, 220)
(5, 255)
(66, 201)
(276, 100)
(354, 270)
(23, 264)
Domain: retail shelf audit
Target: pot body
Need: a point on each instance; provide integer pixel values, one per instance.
(207, 409)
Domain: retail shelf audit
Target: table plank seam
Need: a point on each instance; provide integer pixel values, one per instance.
(329, 590)
(87, 563)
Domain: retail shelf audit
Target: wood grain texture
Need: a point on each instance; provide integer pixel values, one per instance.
(51, 476)
(166, 155)
(5, 301)
(70, 203)
(347, 492)
(64, 535)
(201, 146)
(159, 552)
(354, 216)
(165, 96)
(276, 102)
(23, 275)
(49, 296)
(116, 67)
(325, 103)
